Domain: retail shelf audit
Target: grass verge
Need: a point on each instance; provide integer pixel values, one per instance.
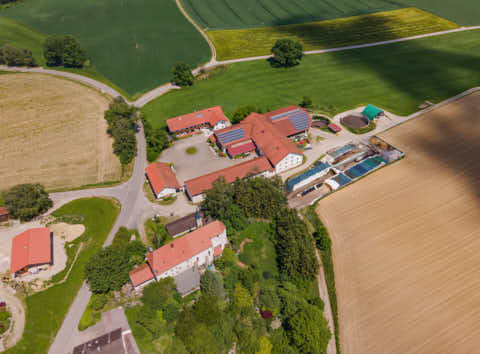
(47, 309)
(380, 26)
(397, 77)
(323, 243)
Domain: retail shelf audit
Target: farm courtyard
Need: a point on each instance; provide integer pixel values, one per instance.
(53, 132)
(406, 241)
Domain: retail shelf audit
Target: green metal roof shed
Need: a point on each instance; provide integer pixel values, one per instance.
(371, 112)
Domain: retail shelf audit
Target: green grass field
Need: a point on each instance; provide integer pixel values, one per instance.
(381, 26)
(131, 43)
(47, 309)
(397, 77)
(235, 14)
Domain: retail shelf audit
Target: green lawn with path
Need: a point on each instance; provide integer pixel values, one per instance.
(131, 43)
(396, 77)
(47, 309)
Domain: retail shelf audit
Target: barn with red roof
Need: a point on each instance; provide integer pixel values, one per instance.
(162, 179)
(31, 248)
(211, 118)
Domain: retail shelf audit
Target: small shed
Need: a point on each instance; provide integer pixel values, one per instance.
(4, 215)
(372, 112)
(334, 128)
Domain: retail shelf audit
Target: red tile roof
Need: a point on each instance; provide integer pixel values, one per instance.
(31, 247)
(161, 176)
(209, 116)
(140, 275)
(255, 166)
(217, 251)
(237, 149)
(185, 247)
(284, 125)
(335, 128)
(3, 211)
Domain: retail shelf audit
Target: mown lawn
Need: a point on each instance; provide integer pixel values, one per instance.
(47, 309)
(397, 77)
(381, 26)
(132, 43)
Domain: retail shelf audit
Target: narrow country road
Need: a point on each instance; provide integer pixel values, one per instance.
(18, 317)
(159, 91)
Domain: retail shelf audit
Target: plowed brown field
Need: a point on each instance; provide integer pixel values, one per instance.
(406, 241)
(52, 131)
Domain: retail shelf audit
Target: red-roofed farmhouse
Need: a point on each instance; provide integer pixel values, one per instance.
(31, 248)
(211, 118)
(194, 250)
(196, 187)
(162, 179)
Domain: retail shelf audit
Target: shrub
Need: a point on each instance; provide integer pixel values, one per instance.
(182, 74)
(26, 201)
(242, 112)
(16, 57)
(192, 150)
(107, 270)
(63, 50)
(157, 140)
(98, 302)
(286, 53)
(306, 102)
(211, 285)
(157, 295)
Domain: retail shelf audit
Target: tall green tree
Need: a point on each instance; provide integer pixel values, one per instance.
(158, 294)
(182, 74)
(211, 284)
(286, 53)
(242, 112)
(308, 330)
(63, 50)
(107, 270)
(295, 248)
(26, 201)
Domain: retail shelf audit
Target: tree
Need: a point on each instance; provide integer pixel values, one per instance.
(16, 57)
(26, 201)
(227, 259)
(286, 53)
(182, 74)
(207, 310)
(265, 346)
(212, 285)
(306, 102)
(201, 341)
(308, 330)
(157, 140)
(158, 294)
(63, 50)
(241, 297)
(296, 256)
(107, 270)
(242, 112)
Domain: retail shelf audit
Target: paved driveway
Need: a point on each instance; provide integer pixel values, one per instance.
(204, 161)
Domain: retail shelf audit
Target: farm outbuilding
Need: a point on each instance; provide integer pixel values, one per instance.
(31, 248)
(372, 112)
(162, 179)
(4, 214)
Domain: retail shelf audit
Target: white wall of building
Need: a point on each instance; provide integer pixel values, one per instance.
(220, 125)
(166, 192)
(288, 162)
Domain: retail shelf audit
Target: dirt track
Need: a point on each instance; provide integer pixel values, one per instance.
(406, 241)
(53, 132)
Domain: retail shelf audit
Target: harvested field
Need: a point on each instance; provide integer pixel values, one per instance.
(355, 121)
(406, 241)
(53, 132)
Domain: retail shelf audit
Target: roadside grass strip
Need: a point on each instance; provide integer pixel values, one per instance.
(47, 309)
(397, 77)
(381, 26)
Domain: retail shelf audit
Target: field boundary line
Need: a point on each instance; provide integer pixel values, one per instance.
(162, 89)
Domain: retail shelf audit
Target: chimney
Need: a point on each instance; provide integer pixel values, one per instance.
(198, 218)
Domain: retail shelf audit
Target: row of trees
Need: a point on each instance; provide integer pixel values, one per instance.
(122, 121)
(12, 56)
(26, 201)
(64, 51)
(157, 140)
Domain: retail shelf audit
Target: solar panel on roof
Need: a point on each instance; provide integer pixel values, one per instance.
(299, 120)
(281, 115)
(231, 135)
